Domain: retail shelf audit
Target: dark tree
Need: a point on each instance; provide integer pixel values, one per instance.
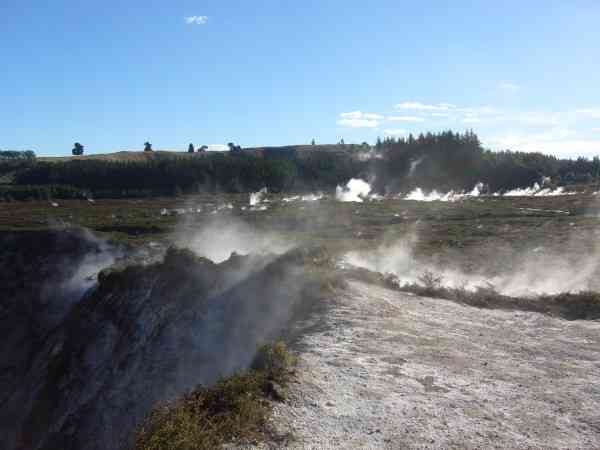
(147, 146)
(312, 142)
(77, 149)
(234, 148)
(191, 148)
(203, 149)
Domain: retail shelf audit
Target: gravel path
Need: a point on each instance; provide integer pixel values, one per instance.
(390, 370)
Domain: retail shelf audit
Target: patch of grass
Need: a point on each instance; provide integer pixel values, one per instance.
(236, 409)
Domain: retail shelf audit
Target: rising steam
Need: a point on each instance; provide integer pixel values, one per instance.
(539, 271)
(536, 191)
(258, 197)
(221, 236)
(418, 195)
(356, 190)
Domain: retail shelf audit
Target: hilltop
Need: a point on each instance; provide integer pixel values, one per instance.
(141, 156)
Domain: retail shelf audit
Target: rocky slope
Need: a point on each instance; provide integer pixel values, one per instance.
(86, 351)
(393, 370)
(86, 374)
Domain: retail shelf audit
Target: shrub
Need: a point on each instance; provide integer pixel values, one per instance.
(430, 281)
(235, 409)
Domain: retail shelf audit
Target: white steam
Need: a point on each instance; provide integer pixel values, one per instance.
(219, 238)
(413, 166)
(418, 195)
(356, 190)
(536, 191)
(258, 197)
(304, 198)
(536, 272)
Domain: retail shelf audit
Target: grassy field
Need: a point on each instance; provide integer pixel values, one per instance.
(122, 156)
(137, 155)
(473, 227)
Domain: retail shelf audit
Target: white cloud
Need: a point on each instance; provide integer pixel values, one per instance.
(480, 110)
(594, 113)
(358, 123)
(358, 119)
(196, 20)
(537, 118)
(405, 119)
(417, 106)
(361, 115)
(558, 141)
(567, 148)
(507, 86)
(596, 130)
(471, 120)
(394, 132)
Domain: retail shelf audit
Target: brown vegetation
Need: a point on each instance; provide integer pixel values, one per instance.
(236, 409)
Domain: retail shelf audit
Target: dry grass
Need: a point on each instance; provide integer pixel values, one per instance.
(584, 305)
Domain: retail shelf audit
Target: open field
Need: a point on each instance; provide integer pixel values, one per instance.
(520, 223)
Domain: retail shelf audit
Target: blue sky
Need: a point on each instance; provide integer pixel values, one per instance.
(524, 75)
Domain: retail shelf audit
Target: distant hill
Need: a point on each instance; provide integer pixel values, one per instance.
(122, 156)
(443, 161)
(139, 155)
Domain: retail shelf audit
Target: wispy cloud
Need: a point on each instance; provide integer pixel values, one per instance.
(567, 148)
(564, 133)
(418, 106)
(358, 123)
(509, 87)
(557, 141)
(196, 20)
(394, 132)
(485, 110)
(413, 119)
(537, 118)
(361, 115)
(593, 113)
(358, 119)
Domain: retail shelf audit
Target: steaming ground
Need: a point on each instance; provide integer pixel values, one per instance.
(389, 370)
(381, 369)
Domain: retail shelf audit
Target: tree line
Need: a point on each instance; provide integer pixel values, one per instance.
(454, 161)
(443, 161)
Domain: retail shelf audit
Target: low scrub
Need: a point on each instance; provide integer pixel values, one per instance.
(583, 305)
(569, 305)
(235, 410)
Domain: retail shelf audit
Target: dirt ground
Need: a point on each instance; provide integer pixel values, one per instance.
(391, 370)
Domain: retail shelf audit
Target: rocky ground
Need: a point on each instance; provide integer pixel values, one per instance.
(391, 370)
